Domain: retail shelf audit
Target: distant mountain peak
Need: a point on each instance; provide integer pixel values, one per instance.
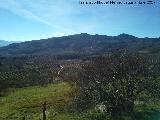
(5, 43)
(124, 35)
(85, 34)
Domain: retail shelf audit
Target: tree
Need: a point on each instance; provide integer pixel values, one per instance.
(115, 80)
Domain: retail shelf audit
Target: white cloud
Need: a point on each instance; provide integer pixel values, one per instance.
(58, 34)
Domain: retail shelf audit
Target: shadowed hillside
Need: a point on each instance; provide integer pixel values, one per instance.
(82, 44)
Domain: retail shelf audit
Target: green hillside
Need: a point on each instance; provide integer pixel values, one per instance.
(105, 78)
(26, 103)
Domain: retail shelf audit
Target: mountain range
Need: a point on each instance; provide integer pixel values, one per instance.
(82, 44)
(5, 43)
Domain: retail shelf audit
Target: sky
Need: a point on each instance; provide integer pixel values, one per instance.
(24, 20)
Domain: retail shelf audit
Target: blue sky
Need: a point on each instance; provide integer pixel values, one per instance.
(22, 20)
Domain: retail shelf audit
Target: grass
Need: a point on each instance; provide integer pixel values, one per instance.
(27, 102)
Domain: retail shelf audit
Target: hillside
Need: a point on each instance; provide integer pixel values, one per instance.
(82, 44)
(27, 102)
(74, 78)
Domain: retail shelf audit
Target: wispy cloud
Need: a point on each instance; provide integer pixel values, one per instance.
(58, 34)
(69, 17)
(14, 7)
(17, 8)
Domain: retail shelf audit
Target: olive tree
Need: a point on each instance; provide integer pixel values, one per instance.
(115, 80)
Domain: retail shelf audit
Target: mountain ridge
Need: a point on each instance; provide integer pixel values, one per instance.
(81, 44)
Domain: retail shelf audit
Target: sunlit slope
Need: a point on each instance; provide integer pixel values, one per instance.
(27, 102)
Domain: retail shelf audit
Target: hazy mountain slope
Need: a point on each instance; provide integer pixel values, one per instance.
(5, 43)
(82, 44)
